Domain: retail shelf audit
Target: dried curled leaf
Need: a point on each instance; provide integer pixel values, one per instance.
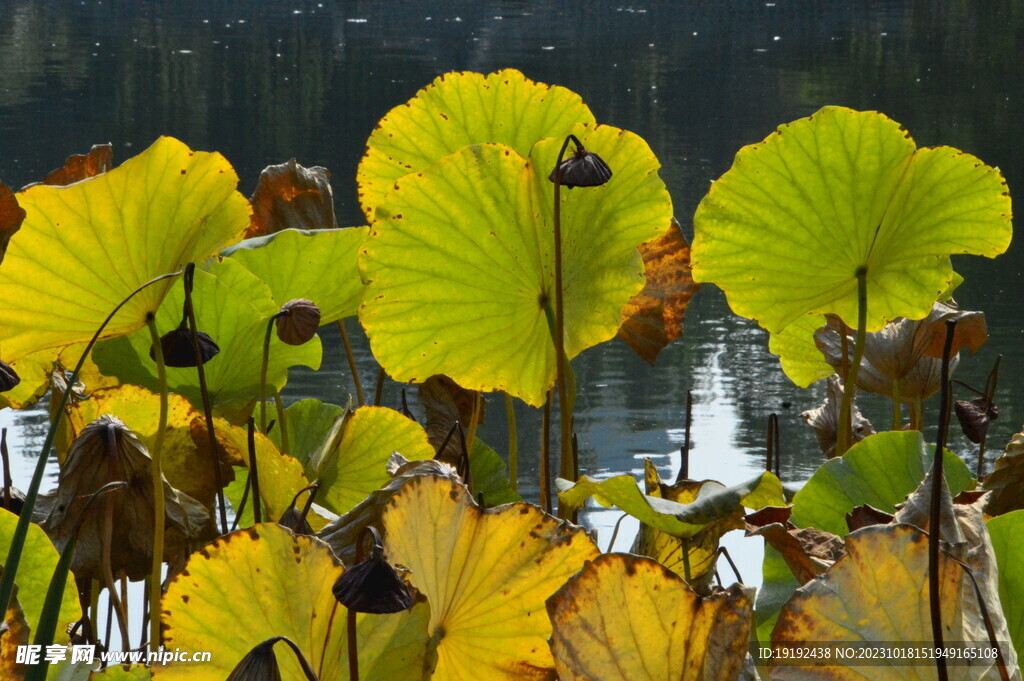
(1006, 481)
(446, 402)
(825, 419)
(624, 618)
(80, 167)
(653, 318)
(808, 551)
(290, 196)
(11, 217)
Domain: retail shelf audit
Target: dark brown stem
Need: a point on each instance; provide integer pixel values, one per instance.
(990, 394)
(545, 473)
(684, 451)
(254, 475)
(350, 356)
(7, 468)
(379, 392)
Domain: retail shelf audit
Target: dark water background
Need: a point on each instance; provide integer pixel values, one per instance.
(264, 82)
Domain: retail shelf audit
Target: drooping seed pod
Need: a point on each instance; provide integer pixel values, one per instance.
(298, 321)
(373, 585)
(8, 377)
(178, 349)
(582, 169)
(259, 664)
(975, 418)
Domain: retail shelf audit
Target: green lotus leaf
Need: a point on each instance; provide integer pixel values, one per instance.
(309, 422)
(880, 471)
(316, 265)
(84, 247)
(784, 231)
(1005, 532)
(459, 109)
(255, 584)
(34, 370)
(232, 305)
(353, 459)
(489, 476)
(712, 503)
(800, 358)
(459, 265)
(34, 574)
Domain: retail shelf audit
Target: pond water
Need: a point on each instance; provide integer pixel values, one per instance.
(265, 82)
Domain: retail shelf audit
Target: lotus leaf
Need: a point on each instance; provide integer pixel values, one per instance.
(784, 231)
(880, 471)
(78, 167)
(315, 265)
(309, 421)
(489, 475)
(1006, 479)
(83, 248)
(34, 576)
(800, 358)
(34, 370)
(624, 618)
(290, 196)
(879, 592)
(825, 419)
(232, 305)
(459, 265)
(459, 109)
(11, 217)
(353, 462)
(279, 585)
(486, 576)
(185, 467)
(1005, 532)
(653, 318)
(712, 502)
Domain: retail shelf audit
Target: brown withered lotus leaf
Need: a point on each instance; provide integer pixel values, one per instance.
(11, 217)
(653, 318)
(178, 350)
(1006, 481)
(8, 377)
(975, 416)
(446, 402)
(106, 451)
(298, 321)
(80, 167)
(808, 551)
(865, 516)
(290, 196)
(343, 533)
(373, 586)
(626, 618)
(825, 419)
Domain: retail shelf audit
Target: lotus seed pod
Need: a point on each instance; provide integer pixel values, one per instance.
(582, 169)
(975, 418)
(259, 664)
(373, 586)
(8, 377)
(298, 321)
(178, 349)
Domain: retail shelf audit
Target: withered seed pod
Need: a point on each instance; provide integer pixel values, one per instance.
(298, 321)
(975, 418)
(373, 586)
(259, 664)
(8, 377)
(179, 351)
(582, 169)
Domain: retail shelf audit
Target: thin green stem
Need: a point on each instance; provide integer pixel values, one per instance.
(917, 415)
(350, 356)
(263, 373)
(282, 421)
(844, 437)
(156, 586)
(513, 443)
(24, 520)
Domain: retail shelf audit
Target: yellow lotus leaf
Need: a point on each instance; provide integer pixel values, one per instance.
(486, 576)
(15, 636)
(84, 247)
(625, 618)
(186, 468)
(137, 672)
(878, 594)
(280, 475)
(264, 581)
(459, 109)
(352, 462)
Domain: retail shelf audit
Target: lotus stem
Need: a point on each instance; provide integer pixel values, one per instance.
(845, 436)
(474, 422)
(545, 473)
(351, 361)
(735, 570)
(769, 458)
(282, 419)
(21, 530)
(917, 415)
(935, 515)
(567, 465)
(684, 451)
(156, 586)
(108, 540)
(263, 372)
(254, 474)
(211, 434)
(513, 444)
(378, 393)
(94, 607)
(990, 394)
(55, 593)
(897, 406)
(615, 532)
(685, 554)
